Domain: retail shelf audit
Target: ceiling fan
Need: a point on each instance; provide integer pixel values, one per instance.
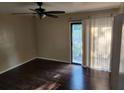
(41, 12)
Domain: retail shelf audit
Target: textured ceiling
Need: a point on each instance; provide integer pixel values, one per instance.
(19, 7)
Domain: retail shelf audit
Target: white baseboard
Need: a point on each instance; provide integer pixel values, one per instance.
(63, 61)
(17, 65)
(31, 60)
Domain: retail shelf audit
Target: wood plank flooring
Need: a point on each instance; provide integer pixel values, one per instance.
(37, 73)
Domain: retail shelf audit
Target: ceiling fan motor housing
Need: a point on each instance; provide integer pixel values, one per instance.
(40, 10)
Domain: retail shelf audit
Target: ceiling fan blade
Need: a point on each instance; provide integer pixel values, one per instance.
(50, 15)
(22, 13)
(55, 12)
(33, 10)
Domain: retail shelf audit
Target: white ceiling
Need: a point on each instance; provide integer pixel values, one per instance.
(23, 7)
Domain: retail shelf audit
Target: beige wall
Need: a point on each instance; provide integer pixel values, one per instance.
(54, 34)
(17, 40)
(53, 38)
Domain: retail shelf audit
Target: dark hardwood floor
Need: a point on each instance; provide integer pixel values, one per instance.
(36, 73)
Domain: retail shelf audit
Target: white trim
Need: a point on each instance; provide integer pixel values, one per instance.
(63, 61)
(1, 72)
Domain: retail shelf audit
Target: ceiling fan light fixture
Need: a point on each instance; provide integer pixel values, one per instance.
(43, 16)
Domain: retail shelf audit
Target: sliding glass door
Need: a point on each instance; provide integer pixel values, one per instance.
(91, 42)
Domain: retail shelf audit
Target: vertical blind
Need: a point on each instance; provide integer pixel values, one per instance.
(100, 42)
